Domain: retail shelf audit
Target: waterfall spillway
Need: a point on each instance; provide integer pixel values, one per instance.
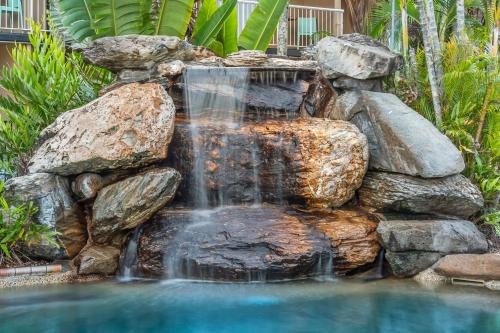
(232, 220)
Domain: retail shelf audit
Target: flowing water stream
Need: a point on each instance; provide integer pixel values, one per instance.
(226, 166)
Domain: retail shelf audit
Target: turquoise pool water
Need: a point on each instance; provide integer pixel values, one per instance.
(307, 306)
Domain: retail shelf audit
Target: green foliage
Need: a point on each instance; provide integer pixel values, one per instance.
(173, 17)
(17, 226)
(43, 82)
(216, 27)
(471, 82)
(207, 33)
(261, 25)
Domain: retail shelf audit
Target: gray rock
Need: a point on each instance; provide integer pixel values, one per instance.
(400, 139)
(356, 56)
(98, 260)
(128, 127)
(171, 69)
(348, 83)
(406, 264)
(127, 204)
(452, 236)
(140, 52)
(51, 195)
(453, 196)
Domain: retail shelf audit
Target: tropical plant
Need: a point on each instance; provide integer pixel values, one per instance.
(43, 82)
(18, 227)
(261, 25)
(216, 27)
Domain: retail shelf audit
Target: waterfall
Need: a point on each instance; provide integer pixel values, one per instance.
(130, 257)
(215, 96)
(226, 166)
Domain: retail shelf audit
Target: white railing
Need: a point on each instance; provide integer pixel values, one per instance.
(16, 15)
(305, 24)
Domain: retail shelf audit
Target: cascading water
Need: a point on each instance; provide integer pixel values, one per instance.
(230, 175)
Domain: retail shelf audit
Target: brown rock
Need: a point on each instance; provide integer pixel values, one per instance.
(87, 185)
(128, 127)
(473, 266)
(320, 98)
(248, 244)
(127, 204)
(352, 232)
(98, 260)
(314, 161)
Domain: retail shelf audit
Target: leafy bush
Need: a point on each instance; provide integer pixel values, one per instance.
(43, 82)
(18, 227)
(216, 26)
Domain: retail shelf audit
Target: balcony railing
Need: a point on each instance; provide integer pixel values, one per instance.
(16, 16)
(305, 24)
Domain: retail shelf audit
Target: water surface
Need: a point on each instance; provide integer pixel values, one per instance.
(307, 306)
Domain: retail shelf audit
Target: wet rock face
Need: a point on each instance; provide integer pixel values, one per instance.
(248, 244)
(453, 196)
(126, 128)
(129, 203)
(140, 52)
(356, 56)
(413, 246)
(51, 195)
(267, 93)
(315, 161)
(351, 232)
(401, 140)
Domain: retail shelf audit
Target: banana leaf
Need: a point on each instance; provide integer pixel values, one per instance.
(118, 17)
(261, 25)
(229, 33)
(74, 18)
(173, 17)
(207, 9)
(208, 32)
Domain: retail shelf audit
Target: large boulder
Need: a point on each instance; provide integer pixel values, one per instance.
(351, 232)
(443, 236)
(356, 56)
(51, 195)
(470, 266)
(400, 139)
(453, 196)
(98, 259)
(140, 52)
(316, 162)
(253, 243)
(127, 204)
(128, 127)
(413, 246)
(406, 264)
